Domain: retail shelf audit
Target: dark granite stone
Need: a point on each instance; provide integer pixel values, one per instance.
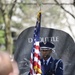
(64, 48)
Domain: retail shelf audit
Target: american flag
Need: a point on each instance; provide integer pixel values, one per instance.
(35, 64)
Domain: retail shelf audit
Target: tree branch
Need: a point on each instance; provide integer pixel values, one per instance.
(64, 9)
(11, 10)
(2, 11)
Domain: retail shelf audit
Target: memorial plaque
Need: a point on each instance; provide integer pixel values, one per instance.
(64, 48)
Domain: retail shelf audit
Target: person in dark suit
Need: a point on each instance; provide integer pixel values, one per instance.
(49, 65)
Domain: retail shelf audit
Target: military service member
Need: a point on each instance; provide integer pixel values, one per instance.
(49, 65)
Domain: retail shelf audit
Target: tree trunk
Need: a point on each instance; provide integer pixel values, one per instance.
(8, 38)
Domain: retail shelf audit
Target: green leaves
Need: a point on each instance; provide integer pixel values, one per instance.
(2, 39)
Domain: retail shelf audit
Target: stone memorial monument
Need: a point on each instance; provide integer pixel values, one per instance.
(64, 48)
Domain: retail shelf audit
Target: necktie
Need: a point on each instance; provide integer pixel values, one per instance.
(45, 67)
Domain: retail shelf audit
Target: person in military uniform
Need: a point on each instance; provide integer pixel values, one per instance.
(49, 65)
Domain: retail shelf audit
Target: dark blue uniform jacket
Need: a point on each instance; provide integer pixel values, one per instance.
(54, 67)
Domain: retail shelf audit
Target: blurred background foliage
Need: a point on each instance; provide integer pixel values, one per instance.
(17, 15)
(2, 40)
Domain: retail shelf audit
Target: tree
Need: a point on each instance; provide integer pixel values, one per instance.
(7, 11)
(72, 3)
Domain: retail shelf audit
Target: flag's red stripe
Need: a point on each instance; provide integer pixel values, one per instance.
(36, 47)
(37, 55)
(30, 71)
(31, 60)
